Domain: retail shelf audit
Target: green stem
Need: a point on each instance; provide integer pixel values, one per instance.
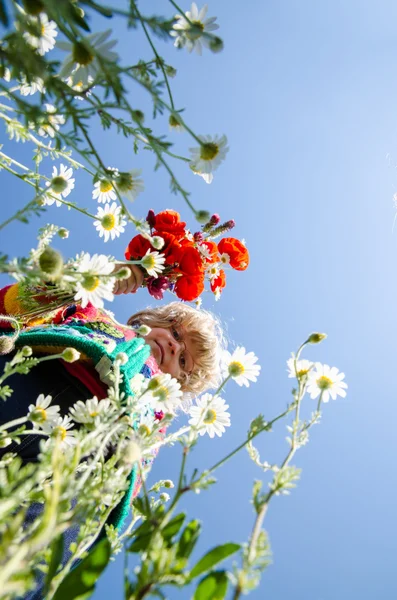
(13, 423)
(160, 60)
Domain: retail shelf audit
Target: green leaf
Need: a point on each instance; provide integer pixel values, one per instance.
(188, 539)
(173, 527)
(142, 537)
(80, 583)
(213, 557)
(56, 557)
(212, 587)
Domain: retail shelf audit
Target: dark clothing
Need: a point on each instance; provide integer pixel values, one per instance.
(48, 378)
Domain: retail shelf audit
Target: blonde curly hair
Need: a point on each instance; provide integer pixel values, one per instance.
(206, 333)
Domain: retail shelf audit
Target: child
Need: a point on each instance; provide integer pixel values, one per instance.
(183, 341)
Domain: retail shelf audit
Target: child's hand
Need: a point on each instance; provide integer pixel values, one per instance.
(130, 285)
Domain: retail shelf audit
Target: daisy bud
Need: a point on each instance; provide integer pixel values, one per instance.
(122, 358)
(216, 44)
(63, 233)
(70, 355)
(171, 72)
(157, 242)
(151, 218)
(138, 116)
(164, 497)
(27, 351)
(122, 273)
(175, 123)
(316, 338)
(168, 483)
(51, 262)
(223, 228)
(132, 453)
(143, 330)
(6, 344)
(202, 216)
(153, 384)
(5, 442)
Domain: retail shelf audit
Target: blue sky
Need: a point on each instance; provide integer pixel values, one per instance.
(306, 93)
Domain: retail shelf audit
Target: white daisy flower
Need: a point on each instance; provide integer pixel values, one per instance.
(82, 62)
(174, 124)
(91, 411)
(104, 191)
(213, 271)
(192, 37)
(42, 412)
(80, 86)
(110, 223)
(208, 177)
(303, 367)
(153, 262)
(207, 157)
(225, 258)
(210, 415)
(94, 285)
(129, 184)
(60, 185)
(54, 122)
(138, 384)
(49, 32)
(164, 393)
(327, 381)
(146, 425)
(241, 366)
(28, 89)
(60, 429)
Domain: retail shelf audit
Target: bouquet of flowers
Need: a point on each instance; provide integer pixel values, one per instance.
(186, 260)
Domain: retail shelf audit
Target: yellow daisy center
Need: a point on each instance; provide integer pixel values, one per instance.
(60, 431)
(162, 393)
(324, 383)
(108, 222)
(81, 54)
(90, 282)
(105, 186)
(58, 183)
(94, 414)
(209, 151)
(193, 33)
(40, 413)
(125, 182)
(144, 430)
(302, 373)
(210, 416)
(236, 368)
(148, 261)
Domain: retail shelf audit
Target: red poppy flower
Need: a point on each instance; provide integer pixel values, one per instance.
(169, 221)
(191, 262)
(219, 282)
(137, 247)
(171, 248)
(189, 287)
(213, 251)
(238, 253)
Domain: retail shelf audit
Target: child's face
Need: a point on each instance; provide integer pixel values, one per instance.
(172, 350)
